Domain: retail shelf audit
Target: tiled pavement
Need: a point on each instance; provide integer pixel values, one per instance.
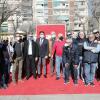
(54, 97)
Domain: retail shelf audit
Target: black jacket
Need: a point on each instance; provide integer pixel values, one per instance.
(44, 48)
(71, 55)
(5, 51)
(1, 57)
(18, 50)
(1, 53)
(34, 49)
(99, 58)
(80, 43)
(89, 56)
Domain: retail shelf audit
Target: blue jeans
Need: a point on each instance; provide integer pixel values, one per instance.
(89, 70)
(80, 69)
(58, 63)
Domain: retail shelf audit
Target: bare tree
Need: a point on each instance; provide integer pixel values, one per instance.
(94, 8)
(6, 10)
(94, 5)
(82, 18)
(28, 27)
(16, 20)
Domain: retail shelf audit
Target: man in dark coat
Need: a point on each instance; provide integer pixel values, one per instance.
(43, 45)
(30, 54)
(70, 58)
(97, 40)
(1, 59)
(5, 65)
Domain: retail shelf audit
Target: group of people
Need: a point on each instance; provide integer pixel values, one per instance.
(77, 57)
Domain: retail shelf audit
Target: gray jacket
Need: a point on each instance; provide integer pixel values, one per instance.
(91, 51)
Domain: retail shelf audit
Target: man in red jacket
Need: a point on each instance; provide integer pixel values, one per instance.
(58, 48)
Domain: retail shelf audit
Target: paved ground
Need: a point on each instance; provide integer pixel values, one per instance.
(53, 97)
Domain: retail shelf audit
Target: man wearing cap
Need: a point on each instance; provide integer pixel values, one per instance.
(18, 60)
(58, 50)
(90, 59)
(97, 40)
(97, 35)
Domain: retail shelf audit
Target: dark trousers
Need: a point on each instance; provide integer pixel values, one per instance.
(31, 66)
(98, 70)
(5, 72)
(68, 70)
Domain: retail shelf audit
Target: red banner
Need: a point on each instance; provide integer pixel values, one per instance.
(48, 29)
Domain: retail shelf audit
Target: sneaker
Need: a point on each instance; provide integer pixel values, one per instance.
(98, 79)
(45, 76)
(5, 86)
(27, 78)
(86, 84)
(75, 82)
(92, 84)
(1, 86)
(66, 82)
(39, 75)
(57, 78)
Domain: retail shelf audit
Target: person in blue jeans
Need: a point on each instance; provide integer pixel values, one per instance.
(90, 59)
(58, 51)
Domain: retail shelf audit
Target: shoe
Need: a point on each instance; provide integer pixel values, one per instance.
(27, 78)
(57, 78)
(5, 86)
(39, 75)
(45, 76)
(86, 84)
(35, 77)
(66, 82)
(75, 82)
(92, 84)
(1, 86)
(98, 79)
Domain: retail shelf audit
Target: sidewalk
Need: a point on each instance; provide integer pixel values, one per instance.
(53, 97)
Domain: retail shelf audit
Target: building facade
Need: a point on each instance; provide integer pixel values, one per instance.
(73, 13)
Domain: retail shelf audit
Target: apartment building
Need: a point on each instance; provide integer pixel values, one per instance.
(70, 12)
(73, 13)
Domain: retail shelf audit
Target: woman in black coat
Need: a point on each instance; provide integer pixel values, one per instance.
(80, 41)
